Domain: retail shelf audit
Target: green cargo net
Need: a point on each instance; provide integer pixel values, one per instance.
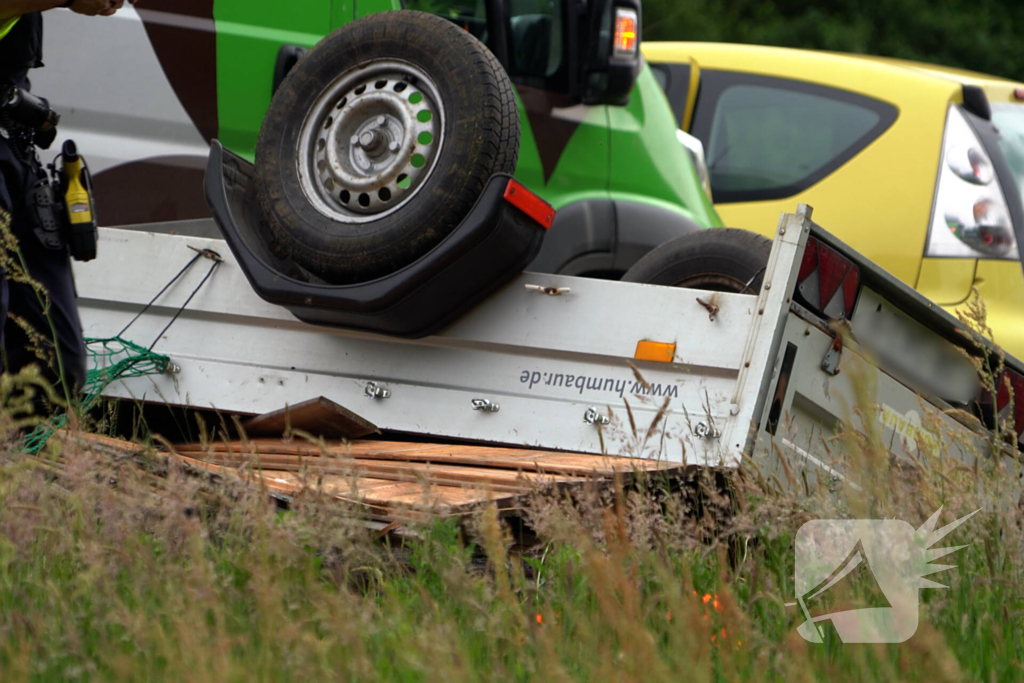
(116, 358)
(111, 360)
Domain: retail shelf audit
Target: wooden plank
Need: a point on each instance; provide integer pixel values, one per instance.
(320, 417)
(387, 496)
(481, 456)
(448, 475)
(275, 486)
(99, 443)
(574, 466)
(396, 479)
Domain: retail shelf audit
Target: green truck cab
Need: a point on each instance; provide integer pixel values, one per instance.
(617, 174)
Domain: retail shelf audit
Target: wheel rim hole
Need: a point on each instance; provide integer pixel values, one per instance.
(380, 84)
(424, 115)
(344, 101)
(418, 160)
(384, 194)
(329, 122)
(321, 144)
(360, 90)
(345, 197)
(416, 98)
(364, 200)
(403, 181)
(400, 86)
(321, 165)
(424, 138)
(329, 184)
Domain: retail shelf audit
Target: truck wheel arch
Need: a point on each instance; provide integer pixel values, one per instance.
(605, 237)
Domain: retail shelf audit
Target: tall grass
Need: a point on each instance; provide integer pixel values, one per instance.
(116, 569)
(109, 572)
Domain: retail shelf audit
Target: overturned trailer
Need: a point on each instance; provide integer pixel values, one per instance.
(339, 277)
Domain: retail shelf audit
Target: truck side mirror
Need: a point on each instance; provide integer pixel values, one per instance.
(612, 60)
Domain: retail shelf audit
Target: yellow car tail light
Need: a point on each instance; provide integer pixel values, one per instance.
(970, 218)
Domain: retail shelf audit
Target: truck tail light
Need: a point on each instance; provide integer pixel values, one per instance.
(970, 217)
(828, 282)
(626, 32)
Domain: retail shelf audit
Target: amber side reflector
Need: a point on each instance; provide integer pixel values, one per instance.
(529, 203)
(659, 352)
(625, 32)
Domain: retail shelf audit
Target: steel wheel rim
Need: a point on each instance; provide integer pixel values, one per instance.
(370, 141)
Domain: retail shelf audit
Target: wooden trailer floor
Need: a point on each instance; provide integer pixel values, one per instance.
(395, 480)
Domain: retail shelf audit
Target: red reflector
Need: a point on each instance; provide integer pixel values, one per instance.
(1003, 399)
(850, 285)
(810, 261)
(823, 273)
(1018, 94)
(832, 270)
(529, 203)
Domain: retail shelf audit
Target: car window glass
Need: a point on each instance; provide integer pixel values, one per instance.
(1009, 118)
(469, 14)
(535, 35)
(769, 138)
(660, 75)
(765, 138)
(674, 79)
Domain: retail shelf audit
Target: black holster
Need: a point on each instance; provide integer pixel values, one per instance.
(46, 212)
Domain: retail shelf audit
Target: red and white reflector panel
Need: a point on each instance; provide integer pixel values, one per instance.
(828, 282)
(533, 206)
(1016, 384)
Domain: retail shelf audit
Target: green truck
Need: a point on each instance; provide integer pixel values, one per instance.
(178, 74)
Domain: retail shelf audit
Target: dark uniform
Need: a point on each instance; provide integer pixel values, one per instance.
(20, 51)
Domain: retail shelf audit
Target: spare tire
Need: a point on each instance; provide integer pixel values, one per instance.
(716, 259)
(379, 142)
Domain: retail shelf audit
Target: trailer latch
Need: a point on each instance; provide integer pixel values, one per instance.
(485, 405)
(374, 390)
(830, 363)
(550, 291)
(705, 430)
(592, 417)
(711, 307)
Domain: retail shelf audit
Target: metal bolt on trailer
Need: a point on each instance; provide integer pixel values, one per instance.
(569, 363)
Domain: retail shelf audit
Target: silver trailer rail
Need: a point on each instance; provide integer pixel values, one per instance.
(591, 366)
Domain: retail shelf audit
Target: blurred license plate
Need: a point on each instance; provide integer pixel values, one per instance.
(911, 352)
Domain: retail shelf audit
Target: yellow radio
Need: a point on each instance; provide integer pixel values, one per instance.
(76, 186)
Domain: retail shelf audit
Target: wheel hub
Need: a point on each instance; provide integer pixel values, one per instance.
(370, 141)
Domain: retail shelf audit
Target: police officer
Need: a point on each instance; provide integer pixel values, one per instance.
(21, 36)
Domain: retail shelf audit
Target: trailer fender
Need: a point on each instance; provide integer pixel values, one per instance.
(502, 233)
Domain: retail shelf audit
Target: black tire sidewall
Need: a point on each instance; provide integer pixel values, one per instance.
(353, 252)
(738, 255)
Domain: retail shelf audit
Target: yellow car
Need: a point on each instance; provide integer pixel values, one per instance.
(918, 167)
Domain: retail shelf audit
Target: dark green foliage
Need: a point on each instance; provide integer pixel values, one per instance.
(980, 35)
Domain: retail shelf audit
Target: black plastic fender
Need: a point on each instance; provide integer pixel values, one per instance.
(490, 246)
